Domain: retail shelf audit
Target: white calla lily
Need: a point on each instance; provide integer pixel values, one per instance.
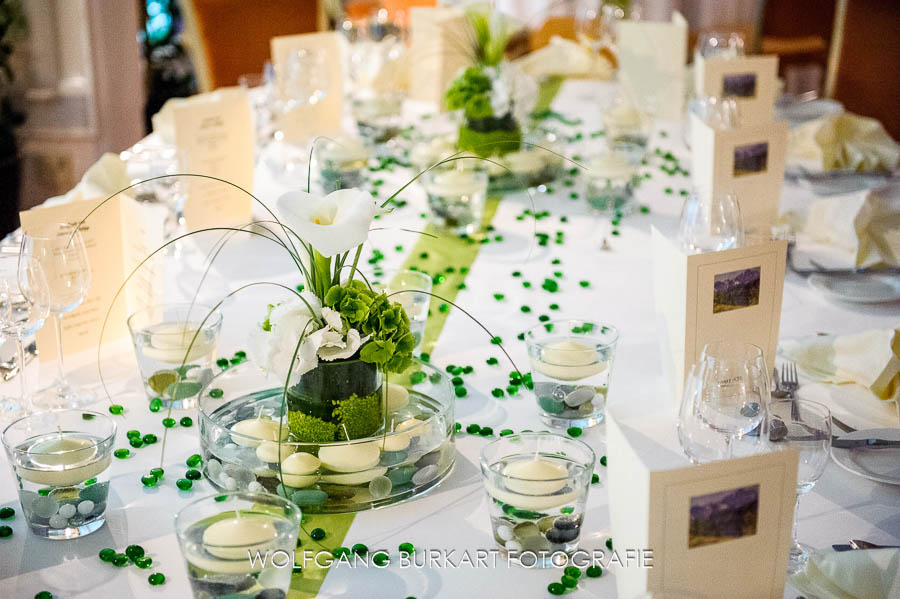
(332, 224)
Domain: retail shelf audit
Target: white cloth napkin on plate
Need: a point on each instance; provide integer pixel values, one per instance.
(860, 574)
(844, 141)
(867, 363)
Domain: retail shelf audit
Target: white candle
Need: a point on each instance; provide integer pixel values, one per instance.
(344, 150)
(354, 478)
(253, 431)
(524, 162)
(271, 452)
(396, 395)
(63, 460)
(456, 183)
(536, 476)
(623, 115)
(298, 470)
(355, 457)
(232, 538)
(609, 165)
(568, 361)
(169, 343)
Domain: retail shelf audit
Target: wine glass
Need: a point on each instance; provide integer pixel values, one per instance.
(60, 251)
(152, 169)
(711, 222)
(724, 402)
(24, 306)
(718, 112)
(720, 45)
(806, 426)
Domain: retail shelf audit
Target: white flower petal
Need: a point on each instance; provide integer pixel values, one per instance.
(334, 353)
(333, 319)
(333, 224)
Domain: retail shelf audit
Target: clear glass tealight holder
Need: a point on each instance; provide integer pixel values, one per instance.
(176, 347)
(571, 364)
(239, 544)
(341, 164)
(610, 184)
(537, 486)
(61, 462)
(378, 114)
(457, 192)
(410, 289)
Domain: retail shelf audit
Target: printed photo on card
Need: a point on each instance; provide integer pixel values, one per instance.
(751, 80)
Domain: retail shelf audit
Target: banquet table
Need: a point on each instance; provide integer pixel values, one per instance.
(453, 518)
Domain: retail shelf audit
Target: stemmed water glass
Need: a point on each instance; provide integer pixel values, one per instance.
(24, 305)
(711, 222)
(60, 251)
(724, 404)
(806, 426)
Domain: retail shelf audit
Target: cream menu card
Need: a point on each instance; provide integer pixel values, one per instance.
(702, 298)
(117, 237)
(309, 71)
(215, 138)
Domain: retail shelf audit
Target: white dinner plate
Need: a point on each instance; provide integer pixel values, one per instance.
(863, 289)
(881, 465)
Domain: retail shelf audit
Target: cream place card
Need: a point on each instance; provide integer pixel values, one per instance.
(702, 298)
(440, 42)
(309, 71)
(747, 161)
(215, 138)
(652, 55)
(721, 529)
(751, 80)
(117, 237)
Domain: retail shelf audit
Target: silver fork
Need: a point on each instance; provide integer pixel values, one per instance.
(789, 382)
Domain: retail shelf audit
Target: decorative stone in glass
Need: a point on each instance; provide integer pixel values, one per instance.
(571, 362)
(61, 463)
(378, 114)
(610, 184)
(537, 486)
(457, 192)
(409, 451)
(239, 544)
(341, 163)
(176, 347)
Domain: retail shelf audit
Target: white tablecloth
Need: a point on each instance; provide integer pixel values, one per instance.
(453, 516)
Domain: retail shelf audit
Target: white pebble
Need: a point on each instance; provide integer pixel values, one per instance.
(85, 507)
(255, 487)
(229, 483)
(424, 475)
(513, 545)
(505, 532)
(57, 521)
(213, 468)
(67, 510)
(44, 507)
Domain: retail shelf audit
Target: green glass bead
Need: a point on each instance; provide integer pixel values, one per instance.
(222, 362)
(594, 571)
(184, 484)
(122, 453)
(574, 431)
(468, 369)
(193, 474)
(584, 283)
(603, 461)
(216, 393)
(417, 377)
(168, 422)
(595, 478)
(143, 562)
(406, 548)
(133, 433)
(425, 357)
(486, 431)
(148, 480)
(134, 551)
(149, 439)
(556, 588)
(194, 460)
(136, 442)
(90, 481)
(492, 361)
(456, 381)
(120, 560)
(497, 392)
(157, 473)
(457, 427)
(7, 513)
(568, 509)
(473, 429)
(156, 579)
(44, 595)
(496, 340)
(317, 534)
(525, 309)
(506, 432)
(155, 404)
(380, 559)
(116, 409)
(359, 549)
(609, 543)
(240, 354)
(186, 421)
(569, 582)
(572, 571)
(460, 391)
(5, 531)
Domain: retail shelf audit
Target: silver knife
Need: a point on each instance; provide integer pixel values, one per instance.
(866, 443)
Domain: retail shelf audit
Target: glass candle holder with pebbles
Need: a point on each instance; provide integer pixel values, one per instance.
(571, 362)
(457, 191)
(628, 130)
(610, 183)
(378, 114)
(176, 350)
(239, 544)
(247, 443)
(341, 163)
(61, 463)
(537, 486)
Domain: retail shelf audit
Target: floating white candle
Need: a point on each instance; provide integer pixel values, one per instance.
(456, 183)
(355, 457)
(535, 477)
(568, 361)
(524, 162)
(169, 343)
(297, 470)
(271, 452)
(609, 165)
(232, 538)
(253, 431)
(344, 150)
(63, 460)
(397, 396)
(354, 478)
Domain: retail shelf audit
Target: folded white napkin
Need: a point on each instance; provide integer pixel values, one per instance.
(566, 58)
(844, 141)
(861, 574)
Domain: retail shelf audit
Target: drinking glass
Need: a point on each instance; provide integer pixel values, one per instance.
(159, 163)
(61, 463)
(806, 426)
(537, 486)
(60, 251)
(724, 403)
(411, 289)
(720, 45)
(571, 363)
(711, 222)
(717, 112)
(238, 544)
